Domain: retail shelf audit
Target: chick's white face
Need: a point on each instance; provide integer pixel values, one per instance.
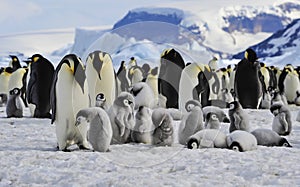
(80, 120)
(190, 107)
(214, 117)
(231, 106)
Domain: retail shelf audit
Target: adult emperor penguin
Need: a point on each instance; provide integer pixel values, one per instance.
(4, 79)
(207, 138)
(171, 66)
(122, 75)
(241, 141)
(212, 121)
(247, 81)
(69, 94)
(100, 76)
(193, 85)
(39, 85)
(143, 129)
(291, 83)
(239, 119)
(213, 64)
(163, 134)
(143, 95)
(101, 101)
(152, 81)
(282, 121)
(97, 128)
(14, 63)
(121, 115)
(18, 80)
(192, 121)
(15, 105)
(268, 137)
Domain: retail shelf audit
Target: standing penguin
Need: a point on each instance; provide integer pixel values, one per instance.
(143, 129)
(171, 66)
(39, 85)
(14, 63)
(192, 121)
(247, 81)
(289, 84)
(15, 105)
(152, 81)
(97, 128)
(69, 94)
(122, 75)
(121, 115)
(212, 121)
(268, 137)
(213, 64)
(4, 79)
(100, 76)
(282, 121)
(239, 119)
(18, 80)
(241, 141)
(143, 95)
(163, 134)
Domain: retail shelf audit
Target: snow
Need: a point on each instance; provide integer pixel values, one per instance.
(28, 157)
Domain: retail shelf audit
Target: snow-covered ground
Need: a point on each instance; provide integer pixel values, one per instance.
(28, 157)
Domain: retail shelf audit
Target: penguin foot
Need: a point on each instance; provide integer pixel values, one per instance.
(82, 147)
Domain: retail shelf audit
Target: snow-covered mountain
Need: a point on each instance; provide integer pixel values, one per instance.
(283, 46)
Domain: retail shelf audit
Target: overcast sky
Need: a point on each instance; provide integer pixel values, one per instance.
(18, 16)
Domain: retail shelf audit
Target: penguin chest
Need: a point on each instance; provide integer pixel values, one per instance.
(4, 83)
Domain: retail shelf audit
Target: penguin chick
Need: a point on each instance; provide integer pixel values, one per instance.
(15, 105)
(212, 121)
(97, 128)
(122, 118)
(239, 120)
(282, 122)
(163, 133)
(216, 110)
(143, 129)
(207, 138)
(143, 95)
(101, 102)
(191, 123)
(241, 141)
(268, 137)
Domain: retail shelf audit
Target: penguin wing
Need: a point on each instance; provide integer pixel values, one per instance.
(32, 81)
(191, 123)
(237, 120)
(105, 130)
(283, 122)
(19, 104)
(120, 124)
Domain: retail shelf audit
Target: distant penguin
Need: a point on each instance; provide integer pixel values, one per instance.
(163, 135)
(146, 70)
(207, 138)
(98, 129)
(135, 75)
(213, 64)
(247, 81)
(121, 115)
(277, 97)
(224, 80)
(241, 141)
(212, 121)
(4, 79)
(266, 100)
(69, 94)
(143, 129)
(193, 85)
(282, 121)
(14, 63)
(18, 80)
(171, 66)
(15, 105)
(239, 119)
(265, 77)
(132, 63)
(122, 75)
(226, 96)
(101, 102)
(191, 123)
(39, 85)
(143, 95)
(152, 81)
(100, 76)
(216, 110)
(268, 137)
(232, 78)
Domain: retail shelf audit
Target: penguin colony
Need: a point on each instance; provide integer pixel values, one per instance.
(92, 106)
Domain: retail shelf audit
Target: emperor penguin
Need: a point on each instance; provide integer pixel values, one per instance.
(97, 128)
(278, 97)
(212, 121)
(265, 77)
(163, 135)
(15, 105)
(152, 81)
(69, 94)
(248, 86)
(143, 129)
(143, 95)
(193, 85)
(213, 64)
(18, 80)
(4, 79)
(101, 102)
(14, 63)
(282, 121)
(39, 85)
(122, 75)
(146, 70)
(207, 138)
(216, 110)
(268, 137)
(241, 141)
(100, 76)
(192, 121)
(239, 119)
(135, 75)
(121, 115)
(171, 66)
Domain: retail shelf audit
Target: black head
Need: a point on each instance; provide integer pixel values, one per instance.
(36, 57)
(8, 70)
(154, 71)
(15, 91)
(234, 105)
(275, 107)
(236, 147)
(132, 58)
(284, 142)
(100, 97)
(193, 143)
(146, 67)
(250, 55)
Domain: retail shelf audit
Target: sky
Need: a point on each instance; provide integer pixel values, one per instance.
(18, 16)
